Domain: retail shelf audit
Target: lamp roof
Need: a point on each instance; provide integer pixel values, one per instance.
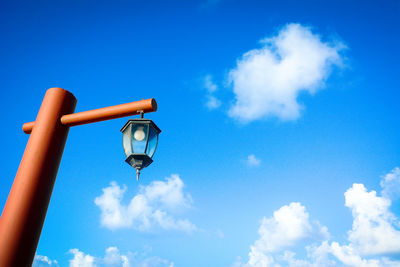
(141, 121)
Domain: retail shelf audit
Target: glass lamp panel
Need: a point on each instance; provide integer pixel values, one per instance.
(153, 140)
(140, 134)
(126, 140)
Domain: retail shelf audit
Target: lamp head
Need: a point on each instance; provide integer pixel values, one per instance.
(140, 139)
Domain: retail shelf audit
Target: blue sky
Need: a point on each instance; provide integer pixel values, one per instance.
(280, 130)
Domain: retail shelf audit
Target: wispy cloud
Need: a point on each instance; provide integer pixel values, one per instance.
(267, 81)
(212, 101)
(44, 261)
(252, 160)
(209, 84)
(390, 184)
(373, 238)
(113, 257)
(152, 207)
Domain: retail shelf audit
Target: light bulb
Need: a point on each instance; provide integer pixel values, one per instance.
(139, 134)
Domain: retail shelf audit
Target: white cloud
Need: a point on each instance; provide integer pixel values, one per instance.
(43, 261)
(288, 225)
(268, 80)
(212, 101)
(151, 207)
(348, 256)
(390, 184)
(209, 84)
(114, 258)
(372, 232)
(318, 260)
(81, 259)
(252, 160)
(374, 236)
(169, 194)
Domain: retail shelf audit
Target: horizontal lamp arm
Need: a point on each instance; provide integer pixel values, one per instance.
(102, 114)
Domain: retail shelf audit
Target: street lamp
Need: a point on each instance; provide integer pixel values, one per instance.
(23, 215)
(140, 139)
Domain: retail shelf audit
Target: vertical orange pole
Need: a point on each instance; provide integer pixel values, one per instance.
(25, 210)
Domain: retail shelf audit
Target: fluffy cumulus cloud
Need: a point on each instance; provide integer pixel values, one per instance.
(152, 207)
(81, 259)
(114, 258)
(212, 101)
(287, 226)
(372, 241)
(373, 230)
(268, 80)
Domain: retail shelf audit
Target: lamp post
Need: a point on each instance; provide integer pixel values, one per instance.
(25, 210)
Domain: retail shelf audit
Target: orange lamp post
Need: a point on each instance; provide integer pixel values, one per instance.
(23, 215)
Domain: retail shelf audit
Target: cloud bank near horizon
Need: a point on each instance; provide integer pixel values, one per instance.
(371, 242)
(374, 237)
(112, 258)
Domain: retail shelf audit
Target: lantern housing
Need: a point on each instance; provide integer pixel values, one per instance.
(140, 139)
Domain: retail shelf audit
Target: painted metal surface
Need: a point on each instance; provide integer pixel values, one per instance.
(25, 210)
(101, 114)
